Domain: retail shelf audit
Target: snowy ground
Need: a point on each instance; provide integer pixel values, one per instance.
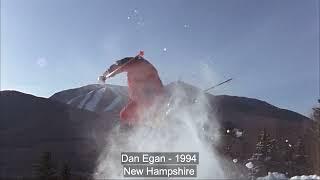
(276, 175)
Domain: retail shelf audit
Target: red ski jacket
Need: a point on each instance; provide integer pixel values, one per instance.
(143, 79)
(144, 86)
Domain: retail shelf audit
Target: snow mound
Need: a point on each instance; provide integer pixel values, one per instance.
(276, 176)
(305, 177)
(273, 176)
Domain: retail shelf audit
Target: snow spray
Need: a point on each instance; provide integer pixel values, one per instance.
(177, 127)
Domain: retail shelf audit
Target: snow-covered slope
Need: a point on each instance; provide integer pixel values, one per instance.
(280, 176)
(97, 98)
(101, 98)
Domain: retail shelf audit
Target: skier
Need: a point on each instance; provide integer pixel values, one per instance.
(144, 86)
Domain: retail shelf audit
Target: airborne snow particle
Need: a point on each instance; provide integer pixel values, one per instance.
(238, 133)
(249, 165)
(135, 11)
(128, 17)
(165, 49)
(290, 145)
(235, 160)
(287, 141)
(228, 131)
(42, 62)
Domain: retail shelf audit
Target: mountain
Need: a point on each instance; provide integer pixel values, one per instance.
(238, 112)
(31, 125)
(103, 98)
(73, 124)
(246, 114)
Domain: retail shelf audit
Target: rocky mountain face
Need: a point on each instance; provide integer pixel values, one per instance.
(73, 124)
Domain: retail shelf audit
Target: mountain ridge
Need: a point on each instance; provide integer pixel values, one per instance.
(252, 102)
(31, 124)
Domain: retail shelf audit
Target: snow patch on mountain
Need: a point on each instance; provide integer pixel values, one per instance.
(121, 91)
(86, 98)
(96, 97)
(113, 104)
(117, 100)
(74, 99)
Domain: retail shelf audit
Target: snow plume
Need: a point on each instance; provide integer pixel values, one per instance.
(182, 124)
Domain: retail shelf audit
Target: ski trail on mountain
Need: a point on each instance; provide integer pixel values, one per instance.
(116, 100)
(86, 98)
(94, 100)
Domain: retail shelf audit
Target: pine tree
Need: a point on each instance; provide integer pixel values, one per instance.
(44, 169)
(65, 172)
(262, 146)
(300, 159)
(263, 158)
(316, 118)
(287, 159)
(272, 160)
(316, 139)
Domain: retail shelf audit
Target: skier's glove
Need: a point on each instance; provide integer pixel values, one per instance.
(102, 79)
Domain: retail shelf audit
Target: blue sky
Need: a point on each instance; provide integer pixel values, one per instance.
(270, 48)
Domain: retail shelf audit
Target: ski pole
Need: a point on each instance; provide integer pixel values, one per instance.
(218, 85)
(106, 76)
